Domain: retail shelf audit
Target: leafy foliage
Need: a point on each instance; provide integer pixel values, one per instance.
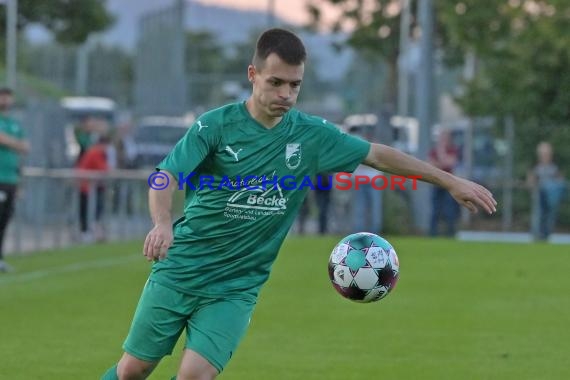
(71, 21)
(524, 55)
(375, 33)
(522, 49)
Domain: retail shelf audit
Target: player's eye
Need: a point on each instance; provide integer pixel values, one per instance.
(275, 83)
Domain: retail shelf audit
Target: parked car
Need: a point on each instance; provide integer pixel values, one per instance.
(155, 136)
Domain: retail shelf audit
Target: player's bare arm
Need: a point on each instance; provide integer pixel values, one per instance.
(159, 239)
(465, 192)
(20, 146)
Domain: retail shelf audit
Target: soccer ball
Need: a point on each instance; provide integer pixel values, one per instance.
(364, 267)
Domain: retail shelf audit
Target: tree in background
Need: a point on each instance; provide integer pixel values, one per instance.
(523, 54)
(375, 32)
(111, 73)
(70, 21)
(49, 69)
(204, 67)
(522, 50)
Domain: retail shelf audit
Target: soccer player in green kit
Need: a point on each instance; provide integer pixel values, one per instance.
(13, 145)
(211, 264)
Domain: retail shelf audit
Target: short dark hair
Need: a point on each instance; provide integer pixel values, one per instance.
(282, 42)
(6, 91)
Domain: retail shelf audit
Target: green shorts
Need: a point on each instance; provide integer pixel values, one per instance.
(214, 327)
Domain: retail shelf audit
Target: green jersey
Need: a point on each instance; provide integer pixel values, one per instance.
(9, 158)
(244, 186)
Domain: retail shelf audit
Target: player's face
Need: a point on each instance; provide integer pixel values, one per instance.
(6, 101)
(276, 85)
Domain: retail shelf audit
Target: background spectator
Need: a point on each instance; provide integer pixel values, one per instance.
(547, 179)
(94, 159)
(12, 146)
(444, 155)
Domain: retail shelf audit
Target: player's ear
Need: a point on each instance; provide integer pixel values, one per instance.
(251, 73)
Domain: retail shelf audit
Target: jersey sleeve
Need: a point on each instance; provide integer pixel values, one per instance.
(199, 141)
(339, 151)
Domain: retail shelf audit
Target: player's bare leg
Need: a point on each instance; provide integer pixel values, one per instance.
(194, 367)
(131, 368)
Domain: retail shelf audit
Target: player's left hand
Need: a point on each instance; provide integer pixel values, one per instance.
(472, 195)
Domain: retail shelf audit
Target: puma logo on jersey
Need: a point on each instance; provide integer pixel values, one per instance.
(200, 126)
(231, 151)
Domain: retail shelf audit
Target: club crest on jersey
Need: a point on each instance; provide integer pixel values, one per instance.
(293, 155)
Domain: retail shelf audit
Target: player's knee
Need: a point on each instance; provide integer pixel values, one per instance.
(130, 368)
(196, 376)
(188, 371)
(195, 367)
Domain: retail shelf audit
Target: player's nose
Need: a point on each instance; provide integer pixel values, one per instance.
(284, 92)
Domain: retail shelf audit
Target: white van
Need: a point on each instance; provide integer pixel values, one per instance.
(77, 108)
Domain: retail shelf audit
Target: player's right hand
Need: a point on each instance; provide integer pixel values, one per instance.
(472, 195)
(157, 242)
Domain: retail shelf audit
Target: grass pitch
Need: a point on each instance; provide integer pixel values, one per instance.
(460, 311)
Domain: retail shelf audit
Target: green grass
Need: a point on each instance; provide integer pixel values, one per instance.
(460, 311)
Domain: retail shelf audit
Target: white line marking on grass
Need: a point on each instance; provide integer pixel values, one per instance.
(76, 267)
